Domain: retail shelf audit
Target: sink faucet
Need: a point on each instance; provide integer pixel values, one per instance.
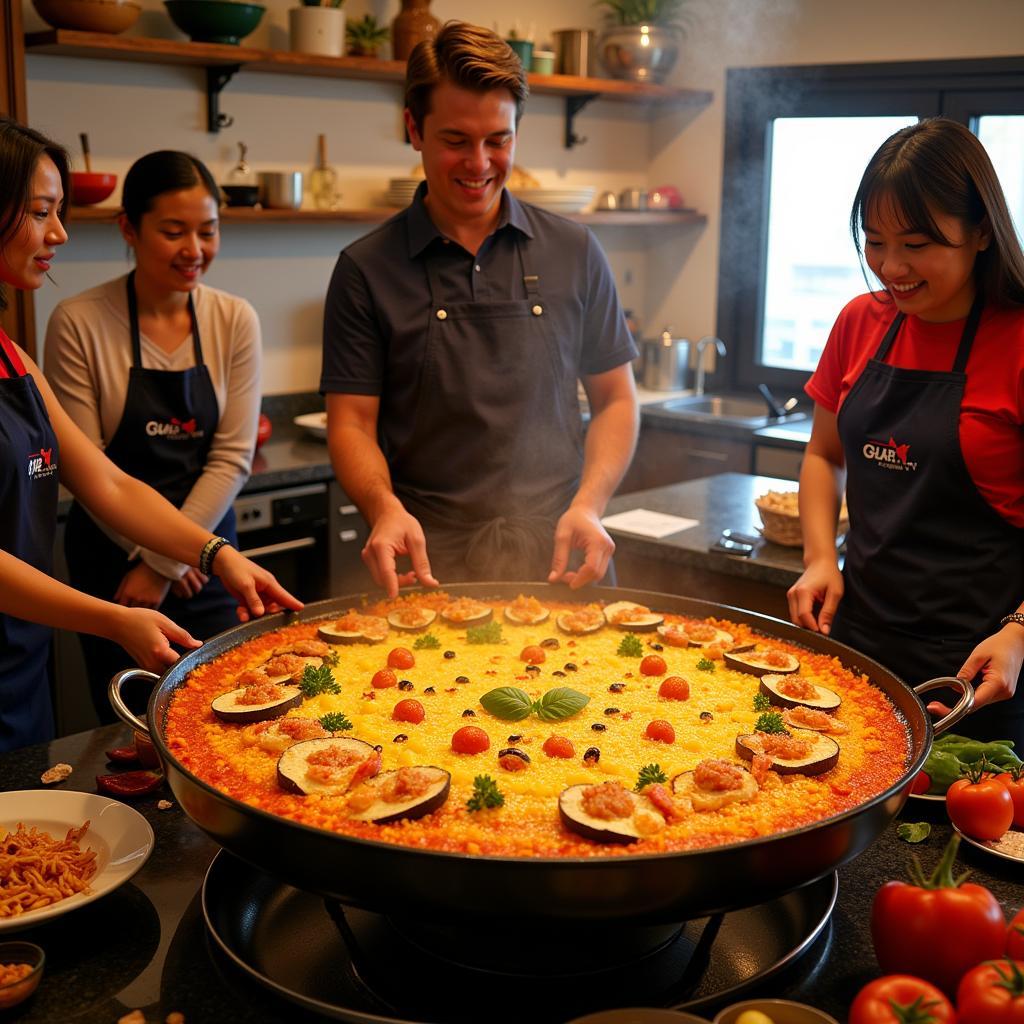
(708, 339)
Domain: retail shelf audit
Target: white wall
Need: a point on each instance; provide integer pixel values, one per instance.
(667, 276)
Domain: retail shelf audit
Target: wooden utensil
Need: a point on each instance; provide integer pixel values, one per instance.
(85, 151)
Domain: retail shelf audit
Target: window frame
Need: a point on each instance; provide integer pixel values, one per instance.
(961, 89)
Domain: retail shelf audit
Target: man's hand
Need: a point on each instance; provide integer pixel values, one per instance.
(396, 533)
(580, 529)
(190, 584)
(998, 658)
(821, 584)
(142, 587)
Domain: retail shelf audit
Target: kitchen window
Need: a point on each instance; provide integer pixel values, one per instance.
(797, 140)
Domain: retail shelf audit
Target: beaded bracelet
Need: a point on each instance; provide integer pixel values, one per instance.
(1017, 617)
(209, 552)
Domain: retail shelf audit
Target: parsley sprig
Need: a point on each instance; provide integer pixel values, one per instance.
(485, 794)
(513, 705)
(649, 774)
(630, 647)
(335, 721)
(762, 702)
(426, 642)
(489, 633)
(770, 722)
(317, 680)
(706, 665)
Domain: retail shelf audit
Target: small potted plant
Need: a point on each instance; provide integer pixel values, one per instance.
(522, 45)
(318, 26)
(365, 37)
(641, 39)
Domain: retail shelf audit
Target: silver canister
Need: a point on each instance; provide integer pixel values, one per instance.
(281, 190)
(575, 49)
(666, 362)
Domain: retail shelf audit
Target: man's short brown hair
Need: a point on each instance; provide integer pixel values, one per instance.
(468, 56)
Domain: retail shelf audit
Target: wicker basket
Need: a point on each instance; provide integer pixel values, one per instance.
(783, 526)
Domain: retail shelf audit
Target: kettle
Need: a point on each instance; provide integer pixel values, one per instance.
(666, 362)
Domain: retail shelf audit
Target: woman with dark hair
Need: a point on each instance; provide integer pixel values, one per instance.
(919, 412)
(163, 373)
(41, 446)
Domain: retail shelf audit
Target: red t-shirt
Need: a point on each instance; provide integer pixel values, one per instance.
(992, 409)
(12, 355)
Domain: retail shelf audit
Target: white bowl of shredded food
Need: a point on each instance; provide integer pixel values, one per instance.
(780, 514)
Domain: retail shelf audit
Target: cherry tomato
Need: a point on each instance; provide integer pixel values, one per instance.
(1015, 786)
(981, 810)
(922, 783)
(401, 657)
(887, 1001)
(558, 746)
(470, 739)
(128, 784)
(1015, 937)
(674, 688)
(533, 655)
(992, 993)
(384, 678)
(653, 665)
(661, 731)
(409, 710)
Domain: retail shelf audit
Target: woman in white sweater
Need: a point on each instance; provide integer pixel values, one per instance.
(163, 373)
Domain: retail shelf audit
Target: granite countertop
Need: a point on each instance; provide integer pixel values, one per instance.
(717, 502)
(145, 946)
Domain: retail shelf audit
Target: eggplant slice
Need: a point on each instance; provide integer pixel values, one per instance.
(576, 623)
(227, 708)
(386, 793)
(467, 612)
(632, 617)
(520, 617)
(313, 660)
(411, 619)
(823, 755)
(759, 663)
(350, 757)
(685, 785)
(608, 830)
(774, 685)
(371, 630)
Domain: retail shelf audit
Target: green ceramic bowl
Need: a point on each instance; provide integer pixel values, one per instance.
(214, 21)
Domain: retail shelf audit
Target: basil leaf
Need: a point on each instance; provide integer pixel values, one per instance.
(562, 702)
(507, 702)
(914, 831)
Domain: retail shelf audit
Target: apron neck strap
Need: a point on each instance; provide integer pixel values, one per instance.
(966, 338)
(133, 326)
(8, 362)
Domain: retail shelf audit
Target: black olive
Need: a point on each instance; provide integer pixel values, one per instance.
(515, 737)
(400, 738)
(592, 756)
(656, 647)
(377, 747)
(706, 716)
(449, 655)
(533, 668)
(551, 643)
(611, 711)
(558, 672)
(570, 667)
(469, 713)
(462, 679)
(599, 727)
(430, 689)
(616, 687)
(405, 684)
(515, 752)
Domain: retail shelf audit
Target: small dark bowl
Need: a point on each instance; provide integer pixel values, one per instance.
(214, 21)
(90, 187)
(21, 953)
(241, 195)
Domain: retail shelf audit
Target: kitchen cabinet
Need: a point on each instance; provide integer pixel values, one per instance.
(671, 456)
(780, 462)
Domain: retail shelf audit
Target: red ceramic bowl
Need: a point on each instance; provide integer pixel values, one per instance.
(90, 188)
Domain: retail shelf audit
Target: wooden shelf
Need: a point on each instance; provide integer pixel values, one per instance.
(376, 215)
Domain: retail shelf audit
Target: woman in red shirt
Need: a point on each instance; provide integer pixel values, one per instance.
(920, 415)
(39, 447)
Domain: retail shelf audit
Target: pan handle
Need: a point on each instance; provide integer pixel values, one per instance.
(117, 701)
(962, 706)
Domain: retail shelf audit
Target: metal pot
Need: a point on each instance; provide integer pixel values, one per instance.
(639, 53)
(456, 887)
(281, 190)
(666, 362)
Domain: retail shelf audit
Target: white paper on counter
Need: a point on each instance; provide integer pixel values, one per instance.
(646, 523)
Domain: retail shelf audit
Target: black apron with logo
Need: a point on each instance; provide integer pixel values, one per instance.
(496, 451)
(28, 522)
(163, 439)
(930, 567)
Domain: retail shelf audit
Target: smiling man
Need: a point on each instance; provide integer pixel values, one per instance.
(454, 337)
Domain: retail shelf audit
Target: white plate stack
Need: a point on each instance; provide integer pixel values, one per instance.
(558, 200)
(401, 190)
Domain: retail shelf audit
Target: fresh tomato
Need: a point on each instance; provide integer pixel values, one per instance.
(901, 999)
(401, 657)
(263, 430)
(558, 746)
(470, 739)
(128, 784)
(533, 655)
(935, 928)
(1014, 782)
(979, 806)
(674, 688)
(1015, 937)
(661, 731)
(383, 679)
(992, 993)
(408, 710)
(922, 783)
(653, 665)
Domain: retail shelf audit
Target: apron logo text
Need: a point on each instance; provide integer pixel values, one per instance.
(889, 454)
(41, 464)
(183, 430)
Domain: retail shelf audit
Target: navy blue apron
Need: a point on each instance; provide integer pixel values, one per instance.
(496, 451)
(164, 437)
(28, 522)
(930, 567)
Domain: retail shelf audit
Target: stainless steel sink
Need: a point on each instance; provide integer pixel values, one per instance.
(738, 409)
